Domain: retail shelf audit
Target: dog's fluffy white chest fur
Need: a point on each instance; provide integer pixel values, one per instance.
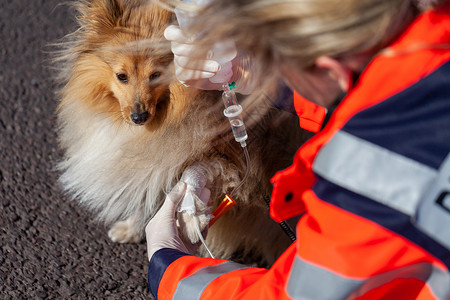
(117, 170)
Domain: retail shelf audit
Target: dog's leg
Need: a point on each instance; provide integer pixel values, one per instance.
(193, 212)
(188, 223)
(126, 231)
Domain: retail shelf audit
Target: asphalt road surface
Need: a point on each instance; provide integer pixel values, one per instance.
(49, 247)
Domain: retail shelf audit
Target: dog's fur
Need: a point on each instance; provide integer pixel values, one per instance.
(122, 171)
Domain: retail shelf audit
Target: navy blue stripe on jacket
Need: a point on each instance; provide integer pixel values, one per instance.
(414, 123)
(158, 264)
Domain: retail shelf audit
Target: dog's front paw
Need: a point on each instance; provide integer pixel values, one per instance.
(125, 232)
(188, 225)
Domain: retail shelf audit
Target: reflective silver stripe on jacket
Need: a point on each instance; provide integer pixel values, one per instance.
(308, 281)
(192, 286)
(396, 181)
(374, 172)
(433, 214)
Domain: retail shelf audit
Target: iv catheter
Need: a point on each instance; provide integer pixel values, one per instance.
(232, 111)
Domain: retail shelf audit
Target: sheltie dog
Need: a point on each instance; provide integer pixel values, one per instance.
(129, 130)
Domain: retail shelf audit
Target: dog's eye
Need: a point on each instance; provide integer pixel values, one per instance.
(155, 76)
(122, 77)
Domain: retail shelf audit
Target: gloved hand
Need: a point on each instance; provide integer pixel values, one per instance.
(162, 231)
(208, 70)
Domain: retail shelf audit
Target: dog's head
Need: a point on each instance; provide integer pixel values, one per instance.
(122, 60)
(139, 84)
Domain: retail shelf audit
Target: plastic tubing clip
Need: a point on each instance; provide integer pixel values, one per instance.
(223, 207)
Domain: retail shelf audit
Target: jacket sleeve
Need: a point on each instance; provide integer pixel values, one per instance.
(190, 277)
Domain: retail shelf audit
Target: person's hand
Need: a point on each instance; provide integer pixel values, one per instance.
(162, 231)
(206, 70)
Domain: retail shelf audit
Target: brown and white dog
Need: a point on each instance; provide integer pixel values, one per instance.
(129, 130)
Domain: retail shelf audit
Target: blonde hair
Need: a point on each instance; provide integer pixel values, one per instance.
(300, 31)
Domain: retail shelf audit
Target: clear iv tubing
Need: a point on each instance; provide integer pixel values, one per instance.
(233, 112)
(200, 236)
(247, 169)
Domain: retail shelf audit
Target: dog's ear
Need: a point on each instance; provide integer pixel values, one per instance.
(100, 15)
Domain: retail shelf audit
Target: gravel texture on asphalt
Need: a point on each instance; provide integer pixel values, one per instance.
(49, 247)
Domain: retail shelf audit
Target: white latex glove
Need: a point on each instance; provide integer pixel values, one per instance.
(206, 70)
(162, 231)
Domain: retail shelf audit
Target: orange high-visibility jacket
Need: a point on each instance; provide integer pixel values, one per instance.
(374, 185)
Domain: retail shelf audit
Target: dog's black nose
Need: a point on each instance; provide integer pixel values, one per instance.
(139, 118)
